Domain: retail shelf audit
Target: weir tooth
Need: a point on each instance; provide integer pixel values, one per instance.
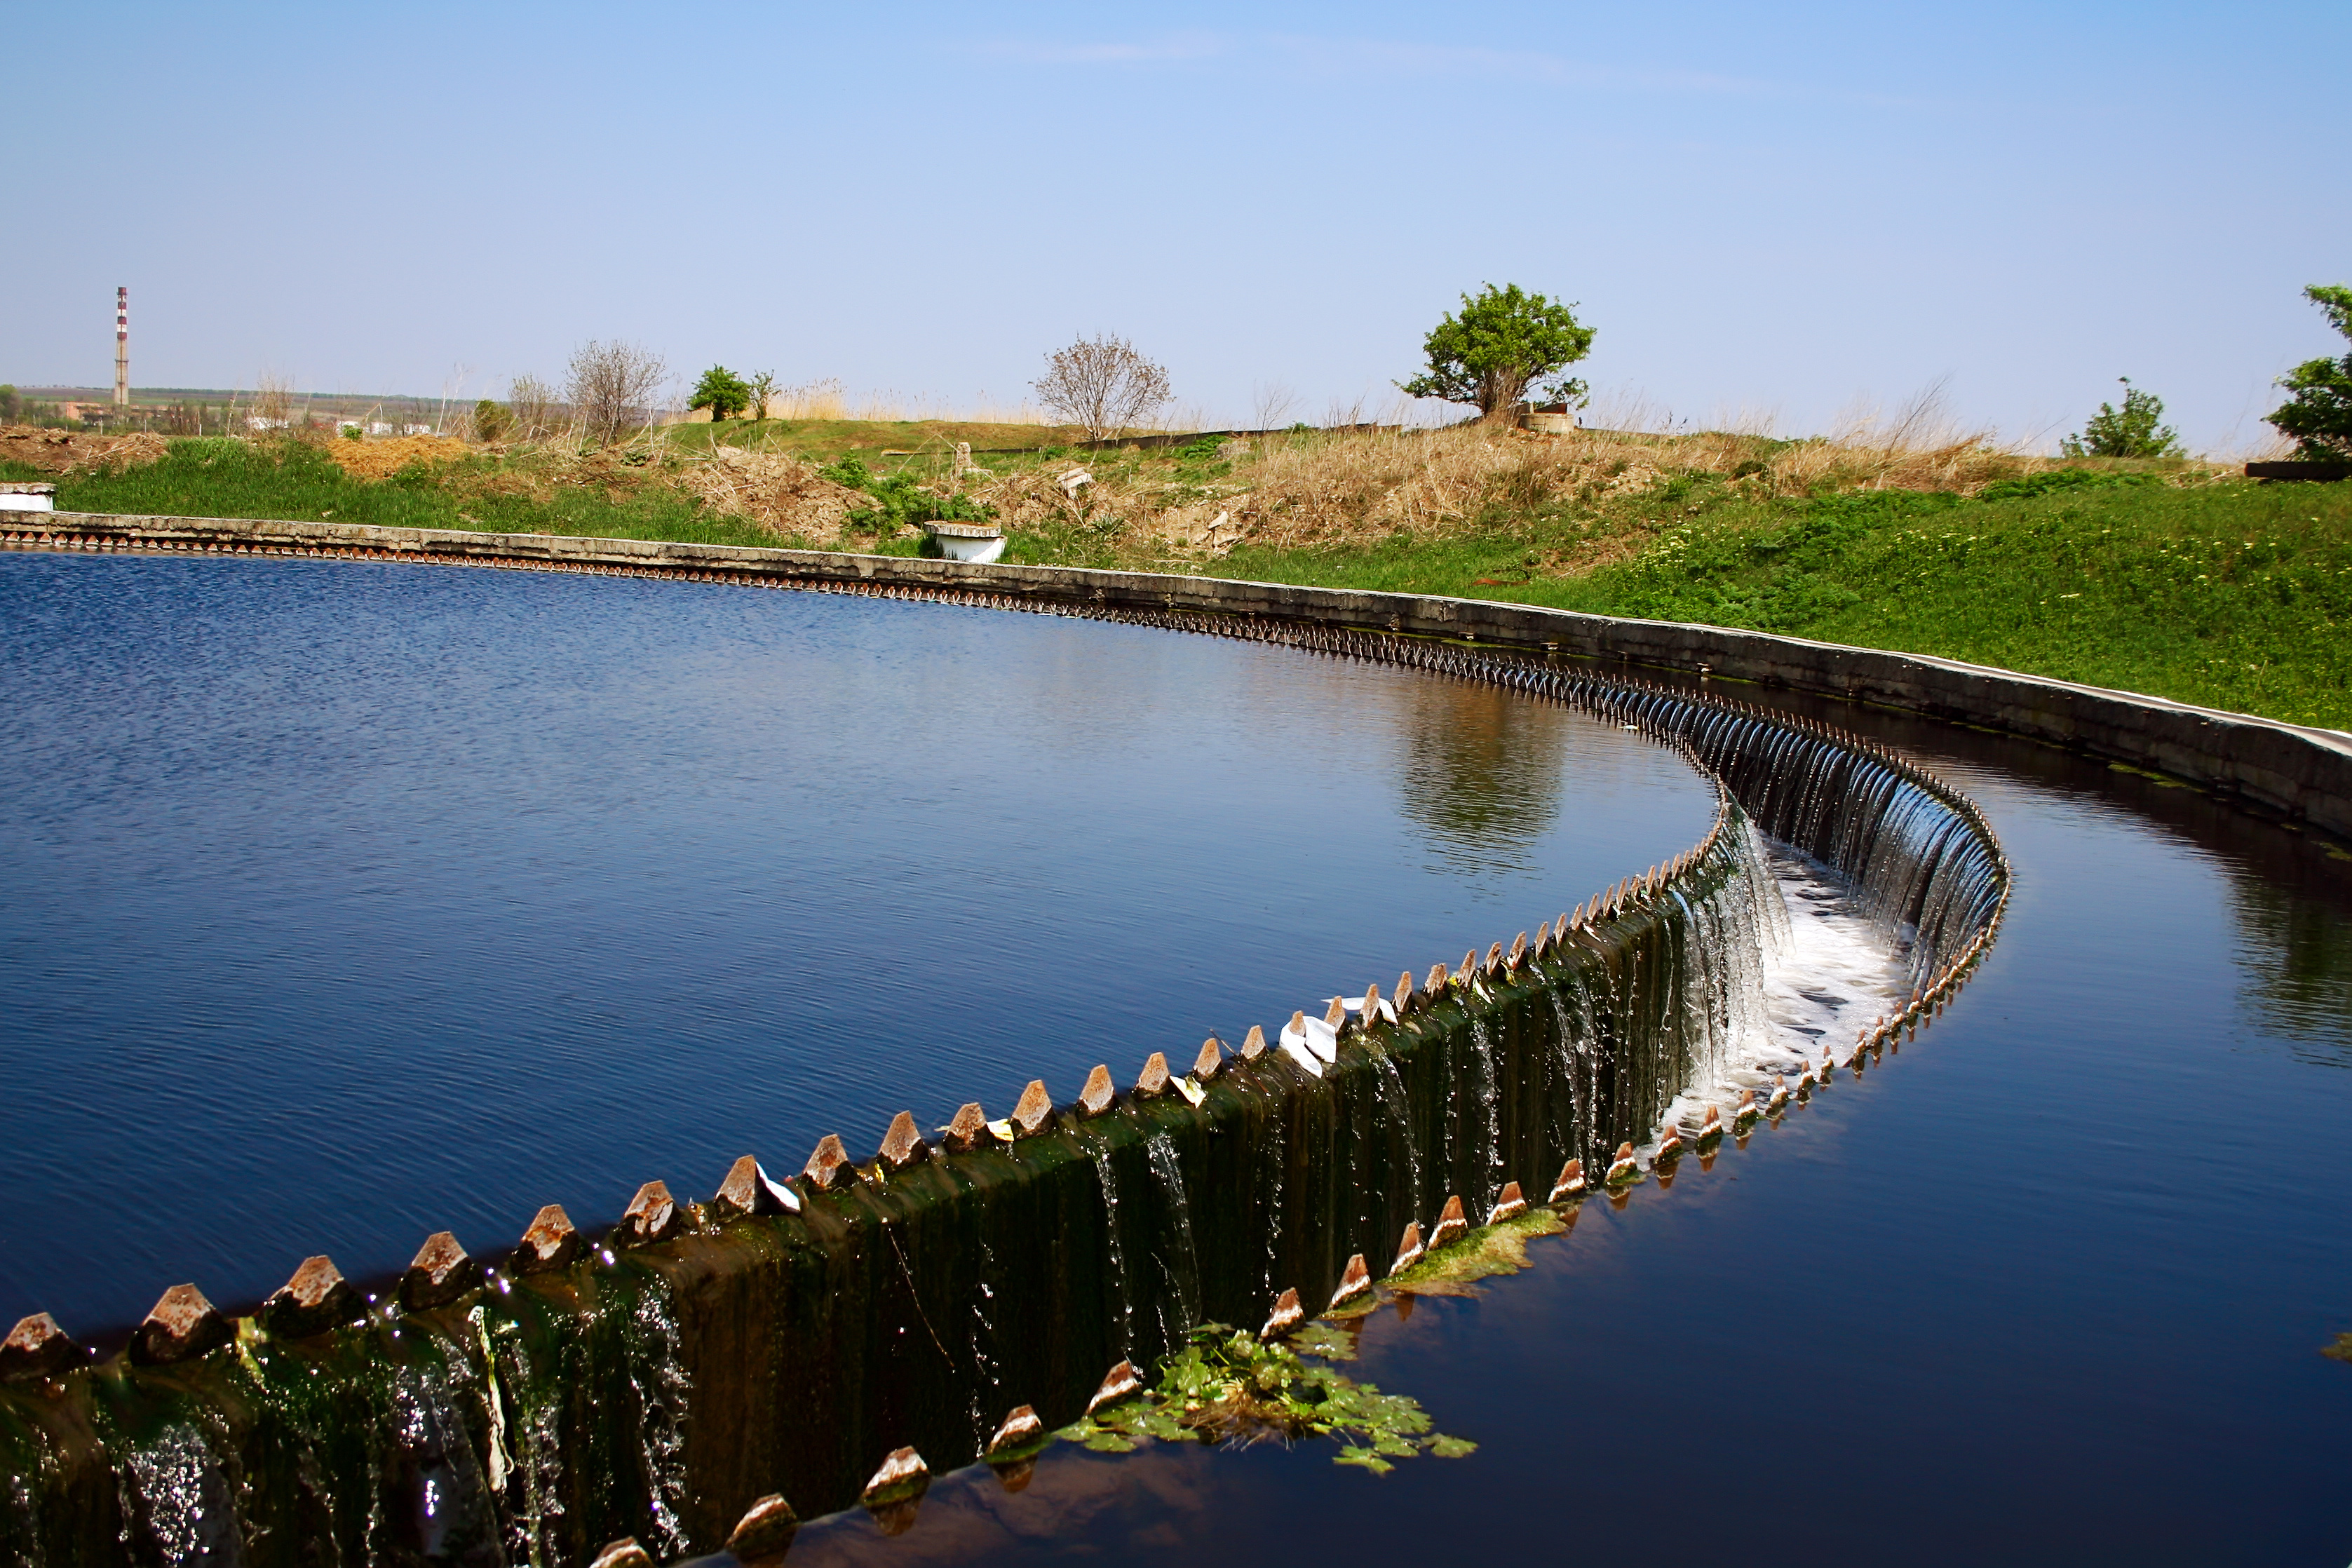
(550, 1243)
(1570, 1183)
(1469, 967)
(1509, 1204)
(903, 1145)
(1437, 980)
(1097, 1096)
(968, 1129)
(438, 1274)
(1019, 1429)
(1353, 1282)
(652, 1215)
(764, 1533)
(1119, 1383)
(749, 1190)
(1371, 1004)
(1543, 938)
(1211, 1061)
(318, 1298)
(903, 1470)
(1254, 1043)
(1712, 1126)
(36, 1348)
(1409, 1248)
(181, 1325)
(1153, 1079)
(1670, 1139)
(1519, 953)
(1625, 1166)
(1335, 1016)
(1495, 959)
(1288, 1315)
(623, 1553)
(1406, 995)
(828, 1165)
(1452, 1224)
(1034, 1110)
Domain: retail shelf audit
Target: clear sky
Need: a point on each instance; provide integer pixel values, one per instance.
(1775, 209)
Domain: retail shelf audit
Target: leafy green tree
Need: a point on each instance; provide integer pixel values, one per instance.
(1504, 340)
(2132, 431)
(722, 391)
(12, 406)
(491, 422)
(2319, 415)
(760, 388)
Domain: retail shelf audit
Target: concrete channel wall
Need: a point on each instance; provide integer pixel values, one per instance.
(2302, 774)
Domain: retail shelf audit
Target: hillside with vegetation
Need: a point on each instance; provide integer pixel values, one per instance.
(2122, 562)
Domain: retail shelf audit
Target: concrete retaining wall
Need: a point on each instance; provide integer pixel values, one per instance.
(2302, 774)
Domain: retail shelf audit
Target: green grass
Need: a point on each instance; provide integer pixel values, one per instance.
(213, 478)
(2230, 594)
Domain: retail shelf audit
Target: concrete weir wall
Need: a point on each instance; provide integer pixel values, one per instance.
(2300, 772)
(793, 1332)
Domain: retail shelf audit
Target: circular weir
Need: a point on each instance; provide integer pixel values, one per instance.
(1280, 974)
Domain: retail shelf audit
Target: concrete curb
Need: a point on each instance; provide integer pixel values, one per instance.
(2302, 774)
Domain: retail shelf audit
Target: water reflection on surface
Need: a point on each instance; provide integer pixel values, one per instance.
(1481, 770)
(2295, 952)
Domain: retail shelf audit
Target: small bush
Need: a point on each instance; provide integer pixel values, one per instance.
(2135, 430)
(722, 391)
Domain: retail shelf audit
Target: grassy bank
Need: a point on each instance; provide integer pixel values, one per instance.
(2230, 594)
(2170, 579)
(224, 478)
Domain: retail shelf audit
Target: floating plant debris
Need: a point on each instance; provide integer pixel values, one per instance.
(1225, 1386)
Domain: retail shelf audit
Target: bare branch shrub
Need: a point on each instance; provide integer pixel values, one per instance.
(613, 387)
(1271, 406)
(538, 411)
(1102, 385)
(273, 401)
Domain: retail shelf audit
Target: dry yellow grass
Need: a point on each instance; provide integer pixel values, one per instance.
(1329, 488)
(77, 452)
(380, 459)
(781, 493)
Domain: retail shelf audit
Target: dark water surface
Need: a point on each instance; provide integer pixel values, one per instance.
(342, 903)
(2048, 1286)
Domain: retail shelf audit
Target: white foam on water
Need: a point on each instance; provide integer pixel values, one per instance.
(1832, 972)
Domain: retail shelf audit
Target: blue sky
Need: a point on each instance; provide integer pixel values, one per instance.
(1780, 210)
